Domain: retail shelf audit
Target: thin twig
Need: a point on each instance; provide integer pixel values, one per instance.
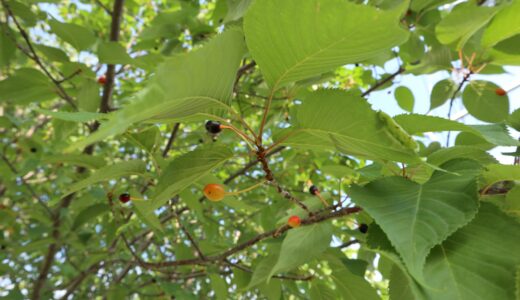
(269, 234)
(452, 99)
(34, 56)
(382, 82)
(171, 139)
(287, 277)
(26, 184)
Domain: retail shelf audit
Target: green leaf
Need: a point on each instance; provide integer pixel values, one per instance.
(321, 291)
(89, 213)
(496, 133)
(113, 53)
(478, 262)
(23, 12)
(219, 286)
(77, 36)
(301, 245)
(514, 120)
(236, 9)
(497, 172)
(125, 168)
(82, 160)
(443, 155)
(88, 96)
(52, 53)
(470, 139)
(463, 22)
(144, 210)
(417, 217)
(272, 290)
(187, 169)
(512, 203)
(441, 92)
(262, 271)
(483, 103)
(349, 285)
(399, 286)
(80, 117)
(404, 97)
(293, 40)
(200, 82)
(26, 86)
(7, 49)
(504, 25)
(337, 119)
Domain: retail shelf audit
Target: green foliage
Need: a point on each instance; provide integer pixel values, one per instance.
(292, 85)
(291, 40)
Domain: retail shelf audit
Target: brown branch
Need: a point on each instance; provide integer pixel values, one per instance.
(34, 56)
(241, 72)
(26, 184)
(287, 277)
(53, 248)
(108, 88)
(348, 244)
(103, 6)
(77, 72)
(194, 244)
(171, 139)
(382, 82)
(273, 233)
(262, 157)
(453, 96)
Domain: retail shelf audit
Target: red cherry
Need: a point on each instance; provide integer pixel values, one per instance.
(500, 92)
(124, 197)
(294, 221)
(102, 79)
(214, 192)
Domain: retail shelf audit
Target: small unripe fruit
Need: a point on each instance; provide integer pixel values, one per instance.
(213, 127)
(294, 221)
(124, 197)
(500, 92)
(214, 192)
(102, 79)
(314, 190)
(363, 228)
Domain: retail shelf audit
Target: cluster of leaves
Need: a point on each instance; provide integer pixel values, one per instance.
(289, 81)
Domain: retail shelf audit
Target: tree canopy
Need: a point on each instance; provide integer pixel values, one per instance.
(226, 149)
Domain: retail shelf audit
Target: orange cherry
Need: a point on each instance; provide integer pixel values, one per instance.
(294, 221)
(214, 192)
(500, 92)
(102, 79)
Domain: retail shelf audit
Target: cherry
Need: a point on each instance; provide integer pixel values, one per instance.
(214, 192)
(102, 79)
(294, 221)
(500, 92)
(124, 197)
(314, 190)
(363, 228)
(213, 127)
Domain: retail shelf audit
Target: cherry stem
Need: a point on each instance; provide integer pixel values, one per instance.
(241, 134)
(513, 88)
(245, 190)
(322, 199)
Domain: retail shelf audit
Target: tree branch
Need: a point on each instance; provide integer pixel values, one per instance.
(108, 88)
(273, 233)
(382, 82)
(171, 139)
(34, 56)
(461, 84)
